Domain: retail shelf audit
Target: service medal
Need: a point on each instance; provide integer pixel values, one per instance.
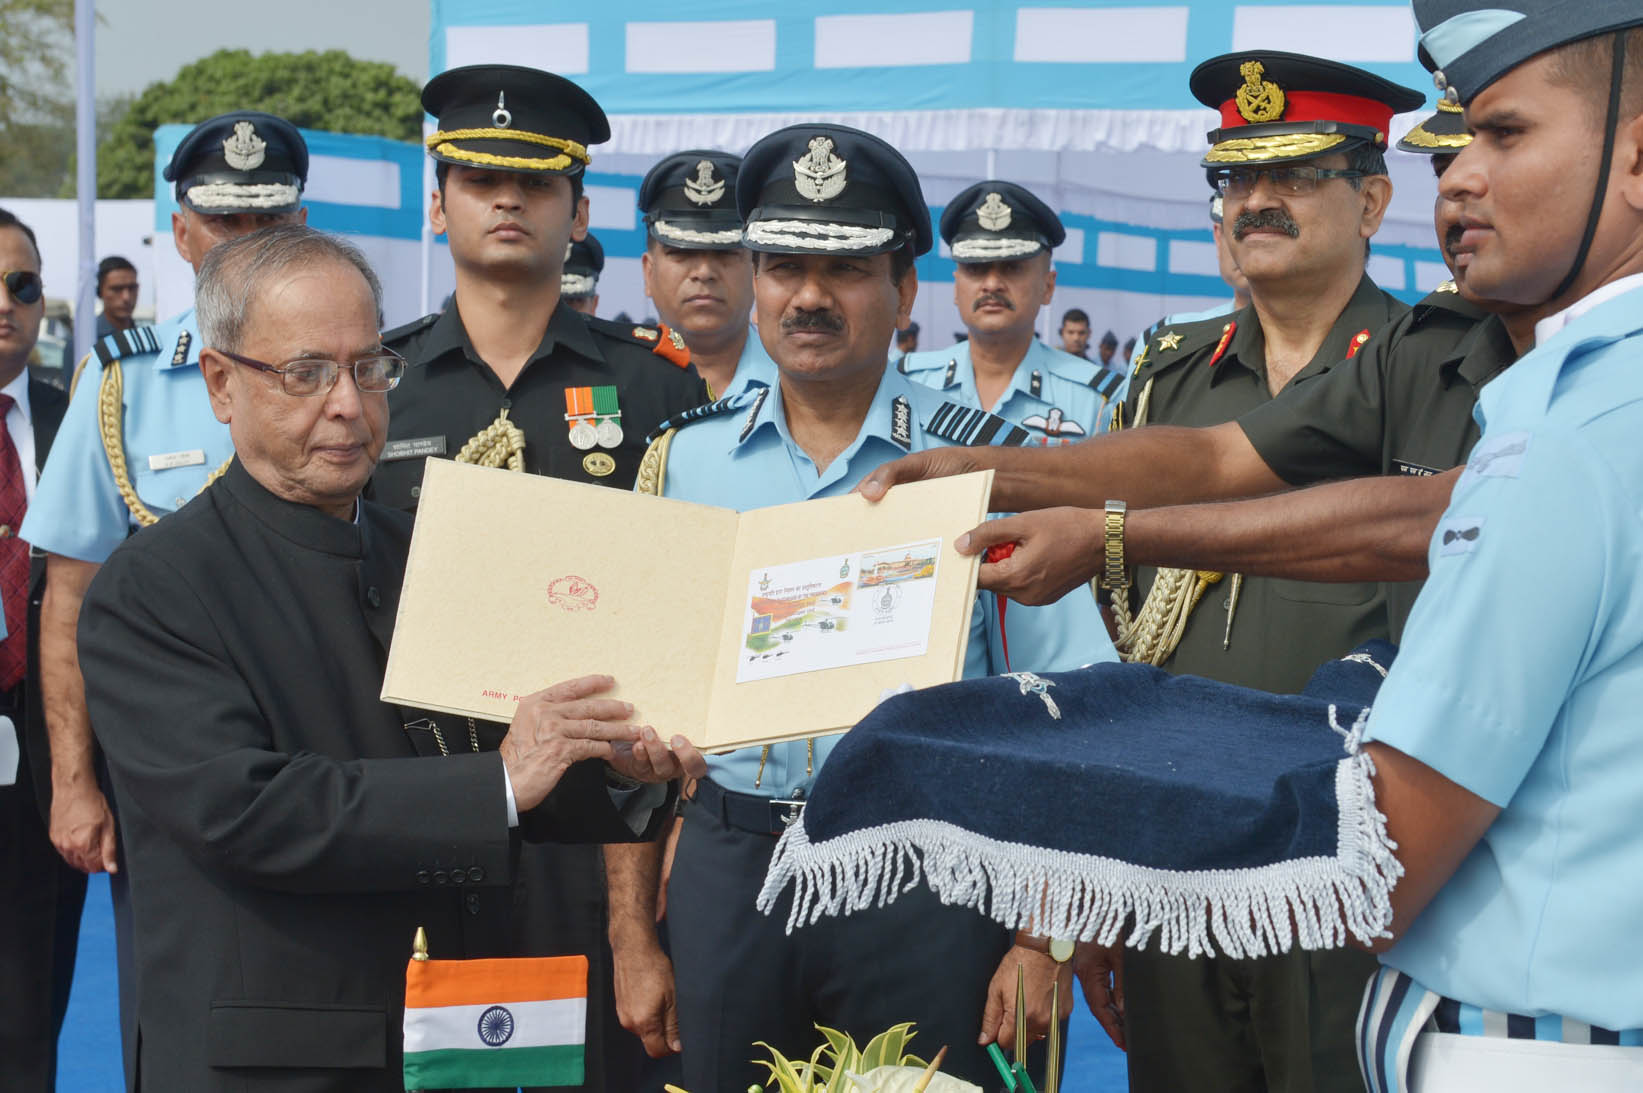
(579, 411)
(583, 436)
(608, 412)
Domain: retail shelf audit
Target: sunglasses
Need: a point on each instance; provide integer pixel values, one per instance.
(23, 285)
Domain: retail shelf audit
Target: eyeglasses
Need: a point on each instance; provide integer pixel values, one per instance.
(1238, 182)
(305, 378)
(23, 284)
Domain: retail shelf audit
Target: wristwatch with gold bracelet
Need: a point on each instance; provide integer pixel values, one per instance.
(1114, 576)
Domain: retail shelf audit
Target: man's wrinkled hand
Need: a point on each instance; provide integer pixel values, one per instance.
(82, 828)
(645, 999)
(1100, 971)
(1056, 551)
(1043, 976)
(931, 463)
(648, 759)
(554, 729)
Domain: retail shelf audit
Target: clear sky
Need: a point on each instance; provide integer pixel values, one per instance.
(141, 41)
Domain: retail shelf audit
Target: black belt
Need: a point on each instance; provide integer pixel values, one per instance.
(747, 811)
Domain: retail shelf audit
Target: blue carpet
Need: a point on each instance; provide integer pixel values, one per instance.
(88, 1051)
(88, 1054)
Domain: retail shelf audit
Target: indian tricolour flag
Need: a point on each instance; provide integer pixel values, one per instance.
(480, 1024)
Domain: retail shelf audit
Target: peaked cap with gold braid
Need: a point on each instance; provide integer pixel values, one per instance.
(511, 118)
(1282, 107)
(1442, 134)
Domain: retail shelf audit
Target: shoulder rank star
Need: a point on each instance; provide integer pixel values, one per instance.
(1172, 340)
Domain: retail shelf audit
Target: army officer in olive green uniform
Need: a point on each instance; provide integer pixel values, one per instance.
(510, 376)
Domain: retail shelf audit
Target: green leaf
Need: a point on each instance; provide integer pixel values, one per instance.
(885, 1049)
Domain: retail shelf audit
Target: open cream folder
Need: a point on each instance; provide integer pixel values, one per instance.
(728, 628)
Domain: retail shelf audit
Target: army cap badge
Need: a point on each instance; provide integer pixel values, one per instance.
(1283, 107)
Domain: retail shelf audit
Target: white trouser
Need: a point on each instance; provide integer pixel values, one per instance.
(1444, 1062)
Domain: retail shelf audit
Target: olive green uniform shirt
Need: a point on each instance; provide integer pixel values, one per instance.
(1402, 405)
(1281, 630)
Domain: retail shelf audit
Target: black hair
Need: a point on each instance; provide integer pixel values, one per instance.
(8, 219)
(112, 264)
(1365, 159)
(1075, 315)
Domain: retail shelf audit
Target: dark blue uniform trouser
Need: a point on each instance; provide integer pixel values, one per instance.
(741, 978)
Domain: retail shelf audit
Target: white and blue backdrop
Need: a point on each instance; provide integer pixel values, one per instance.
(1085, 102)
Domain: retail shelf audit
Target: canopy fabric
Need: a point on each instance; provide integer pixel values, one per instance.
(1085, 103)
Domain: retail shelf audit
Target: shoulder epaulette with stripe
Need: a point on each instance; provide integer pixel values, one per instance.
(660, 339)
(973, 428)
(415, 326)
(726, 405)
(1106, 381)
(126, 343)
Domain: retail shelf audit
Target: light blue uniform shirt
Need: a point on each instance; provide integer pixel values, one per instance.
(1521, 679)
(745, 458)
(173, 443)
(754, 368)
(1049, 389)
(1057, 397)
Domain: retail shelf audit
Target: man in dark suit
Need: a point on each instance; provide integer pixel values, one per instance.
(286, 831)
(40, 895)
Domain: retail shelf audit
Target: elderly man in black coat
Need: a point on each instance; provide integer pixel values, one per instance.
(288, 831)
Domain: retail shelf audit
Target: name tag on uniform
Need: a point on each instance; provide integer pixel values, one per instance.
(418, 447)
(165, 462)
(1418, 470)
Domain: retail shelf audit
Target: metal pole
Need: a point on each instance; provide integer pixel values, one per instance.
(85, 179)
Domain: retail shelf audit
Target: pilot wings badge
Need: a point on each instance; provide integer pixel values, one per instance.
(1053, 424)
(820, 174)
(704, 189)
(994, 214)
(244, 151)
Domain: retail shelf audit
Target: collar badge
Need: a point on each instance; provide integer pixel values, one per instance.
(819, 174)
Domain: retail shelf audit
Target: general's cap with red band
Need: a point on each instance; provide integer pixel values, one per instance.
(1281, 107)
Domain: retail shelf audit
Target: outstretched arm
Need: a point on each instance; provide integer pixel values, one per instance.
(1157, 465)
(1364, 529)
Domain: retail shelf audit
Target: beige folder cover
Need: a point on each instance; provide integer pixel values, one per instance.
(516, 582)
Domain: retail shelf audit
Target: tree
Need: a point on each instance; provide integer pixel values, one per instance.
(35, 100)
(329, 91)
